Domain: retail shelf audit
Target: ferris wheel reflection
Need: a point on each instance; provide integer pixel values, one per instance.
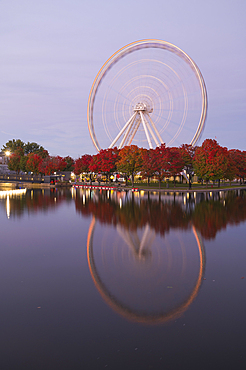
(142, 275)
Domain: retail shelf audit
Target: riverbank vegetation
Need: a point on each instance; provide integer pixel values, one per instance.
(209, 162)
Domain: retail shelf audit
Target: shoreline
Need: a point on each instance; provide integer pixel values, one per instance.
(136, 188)
(162, 190)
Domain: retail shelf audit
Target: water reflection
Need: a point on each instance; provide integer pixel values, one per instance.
(7, 194)
(145, 251)
(18, 202)
(142, 275)
(208, 212)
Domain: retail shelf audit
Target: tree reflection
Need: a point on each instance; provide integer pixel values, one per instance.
(209, 213)
(211, 216)
(32, 201)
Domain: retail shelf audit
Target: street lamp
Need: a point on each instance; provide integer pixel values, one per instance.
(7, 153)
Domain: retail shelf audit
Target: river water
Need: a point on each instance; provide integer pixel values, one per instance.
(121, 280)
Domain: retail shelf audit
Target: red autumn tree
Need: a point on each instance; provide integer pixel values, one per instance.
(231, 170)
(175, 161)
(148, 165)
(33, 162)
(50, 165)
(160, 163)
(81, 164)
(104, 162)
(211, 161)
(59, 163)
(95, 164)
(239, 159)
(46, 166)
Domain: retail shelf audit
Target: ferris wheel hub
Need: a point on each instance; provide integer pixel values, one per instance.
(142, 107)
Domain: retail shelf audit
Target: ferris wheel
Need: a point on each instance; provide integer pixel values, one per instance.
(147, 93)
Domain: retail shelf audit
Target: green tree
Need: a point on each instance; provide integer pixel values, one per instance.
(13, 145)
(36, 149)
(23, 161)
(69, 163)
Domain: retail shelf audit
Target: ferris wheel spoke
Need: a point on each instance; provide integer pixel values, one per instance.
(152, 133)
(146, 130)
(127, 133)
(122, 130)
(155, 129)
(135, 129)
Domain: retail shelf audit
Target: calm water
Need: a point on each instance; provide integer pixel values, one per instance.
(110, 280)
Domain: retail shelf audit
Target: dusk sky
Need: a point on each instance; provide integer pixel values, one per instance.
(52, 50)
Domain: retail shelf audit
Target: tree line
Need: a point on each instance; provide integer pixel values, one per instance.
(209, 162)
(31, 157)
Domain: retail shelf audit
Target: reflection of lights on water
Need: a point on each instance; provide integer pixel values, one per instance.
(210, 193)
(184, 200)
(120, 203)
(4, 193)
(224, 202)
(195, 194)
(32, 194)
(83, 198)
(188, 195)
(8, 207)
(142, 193)
(73, 192)
(10, 193)
(55, 200)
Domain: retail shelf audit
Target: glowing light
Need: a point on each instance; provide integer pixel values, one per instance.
(5, 193)
(8, 206)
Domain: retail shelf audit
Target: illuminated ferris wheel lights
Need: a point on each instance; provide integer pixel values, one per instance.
(147, 78)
